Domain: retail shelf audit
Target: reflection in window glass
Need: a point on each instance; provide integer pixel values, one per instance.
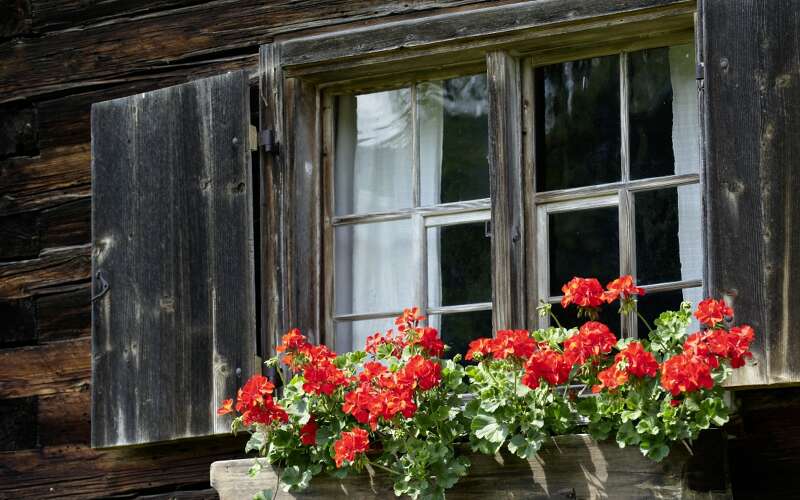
(373, 152)
(372, 266)
(453, 140)
(652, 304)
(668, 235)
(578, 123)
(459, 265)
(458, 330)
(664, 126)
(583, 243)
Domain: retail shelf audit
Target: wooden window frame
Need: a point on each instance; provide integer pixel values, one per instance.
(299, 76)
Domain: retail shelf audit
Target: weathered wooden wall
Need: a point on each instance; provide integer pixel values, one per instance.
(57, 57)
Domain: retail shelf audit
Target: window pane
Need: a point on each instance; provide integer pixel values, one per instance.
(352, 335)
(664, 124)
(373, 152)
(458, 330)
(373, 267)
(459, 265)
(609, 315)
(583, 243)
(578, 123)
(652, 304)
(453, 140)
(668, 235)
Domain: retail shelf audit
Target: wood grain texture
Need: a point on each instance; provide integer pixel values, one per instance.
(52, 368)
(173, 234)
(751, 184)
(80, 472)
(54, 268)
(506, 183)
(570, 466)
(18, 130)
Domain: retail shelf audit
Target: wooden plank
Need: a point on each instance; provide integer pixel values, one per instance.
(272, 249)
(303, 283)
(64, 314)
(480, 28)
(55, 267)
(19, 324)
(20, 236)
(506, 182)
(78, 471)
(150, 42)
(750, 184)
(14, 18)
(45, 369)
(173, 235)
(569, 466)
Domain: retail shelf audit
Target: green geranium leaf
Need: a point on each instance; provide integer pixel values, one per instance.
(256, 442)
(263, 495)
(487, 427)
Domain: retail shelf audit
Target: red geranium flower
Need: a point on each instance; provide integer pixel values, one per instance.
(479, 347)
(308, 433)
(548, 365)
(227, 407)
(410, 319)
(583, 292)
(639, 362)
(711, 312)
(739, 340)
(349, 445)
(323, 378)
(254, 392)
(593, 339)
(686, 373)
(430, 341)
(517, 343)
(610, 378)
(621, 287)
(425, 373)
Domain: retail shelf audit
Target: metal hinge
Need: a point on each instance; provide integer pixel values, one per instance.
(101, 284)
(266, 139)
(700, 75)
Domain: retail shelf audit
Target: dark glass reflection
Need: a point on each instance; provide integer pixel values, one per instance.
(652, 305)
(664, 131)
(569, 317)
(578, 123)
(583, 243)
(464, 265)
(454, 140)
(668, 235)
(458, 330)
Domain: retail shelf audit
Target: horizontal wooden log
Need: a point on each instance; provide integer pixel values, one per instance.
(45, 369)
(204, 494)
(50, 15)
(20, 236)
(64, 418)
(57, 267)
(65, 314)
(81, 472)
(141, 43)
(572, 466)
(57, 176)
(14, 17)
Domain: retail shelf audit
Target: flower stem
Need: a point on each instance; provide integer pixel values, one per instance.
(382, 467)
(277, 484)
(646, 323)
(555, 319)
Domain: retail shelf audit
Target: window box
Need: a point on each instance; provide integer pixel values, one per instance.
(570, 466)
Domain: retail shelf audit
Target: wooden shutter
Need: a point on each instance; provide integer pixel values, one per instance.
(752, 118)
(172, 231)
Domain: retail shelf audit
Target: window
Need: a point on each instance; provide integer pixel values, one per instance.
(617, 157)
(411, 210)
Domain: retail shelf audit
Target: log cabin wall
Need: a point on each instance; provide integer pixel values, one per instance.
(57, 57)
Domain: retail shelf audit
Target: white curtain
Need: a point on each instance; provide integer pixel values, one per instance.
(373, 262)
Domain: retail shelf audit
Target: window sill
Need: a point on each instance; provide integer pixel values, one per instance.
(571, 466)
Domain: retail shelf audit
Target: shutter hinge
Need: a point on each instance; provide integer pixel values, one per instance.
(700, 75)
(266, 139)
(102, 284)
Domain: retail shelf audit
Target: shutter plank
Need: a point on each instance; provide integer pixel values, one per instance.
(752, 107)
(173, 236)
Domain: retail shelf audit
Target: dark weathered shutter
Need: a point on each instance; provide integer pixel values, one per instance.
(173, 238)
(752, 118)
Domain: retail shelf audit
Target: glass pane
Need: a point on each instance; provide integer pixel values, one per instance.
(352, 335)
(373, 152)
(569, 317)
(652, 304)
(459, 265)
(664, 123)
(669, 244)
(578, 123)
(373, 267)
(583, 243)
(453, 140)
(458, 330)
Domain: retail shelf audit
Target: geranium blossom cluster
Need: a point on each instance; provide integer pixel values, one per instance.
(256, 403)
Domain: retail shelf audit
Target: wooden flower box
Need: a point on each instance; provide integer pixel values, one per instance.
(573, 466)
